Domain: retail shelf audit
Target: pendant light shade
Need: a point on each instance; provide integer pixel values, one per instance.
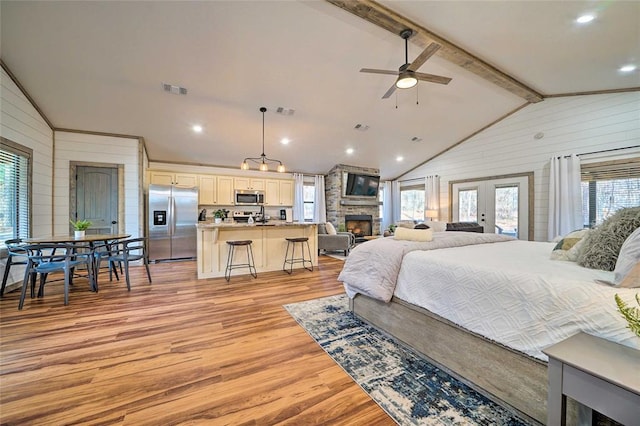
(263, 161)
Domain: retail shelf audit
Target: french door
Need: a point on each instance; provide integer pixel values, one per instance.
(501, 206)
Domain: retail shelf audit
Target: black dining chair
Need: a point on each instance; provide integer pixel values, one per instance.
(122, 253)
(16, 255)
(44, 259)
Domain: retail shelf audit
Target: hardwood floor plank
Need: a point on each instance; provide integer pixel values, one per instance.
(178, 351)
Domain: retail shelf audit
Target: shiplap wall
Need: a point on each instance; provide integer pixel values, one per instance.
(87, 149)
(576, 124)
(21, 123)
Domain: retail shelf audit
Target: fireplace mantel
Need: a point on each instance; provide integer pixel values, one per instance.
(359, 202)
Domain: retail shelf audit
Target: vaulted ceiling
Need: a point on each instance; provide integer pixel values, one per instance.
(99, 66)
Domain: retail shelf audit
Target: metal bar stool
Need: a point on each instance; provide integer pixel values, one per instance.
(250, 263)
(291, 260)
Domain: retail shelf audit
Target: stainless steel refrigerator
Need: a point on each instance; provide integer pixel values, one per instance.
(173, 214)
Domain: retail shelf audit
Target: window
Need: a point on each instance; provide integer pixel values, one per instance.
(381, 202)
(308, 198)
(608, 187)
(15, 188)
(412, 203)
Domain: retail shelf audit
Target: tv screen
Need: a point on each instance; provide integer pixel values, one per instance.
(361, 185)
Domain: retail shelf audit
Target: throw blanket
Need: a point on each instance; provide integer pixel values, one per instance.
(372, 268)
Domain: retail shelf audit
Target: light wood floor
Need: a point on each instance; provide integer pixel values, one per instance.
(178, 351)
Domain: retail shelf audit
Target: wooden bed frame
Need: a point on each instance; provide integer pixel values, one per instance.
(503, 374)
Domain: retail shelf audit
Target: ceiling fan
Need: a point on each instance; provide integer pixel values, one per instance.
(407, 73)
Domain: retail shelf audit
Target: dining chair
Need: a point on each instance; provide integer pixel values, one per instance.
(44, 259)
(16, 255)
(123, 252)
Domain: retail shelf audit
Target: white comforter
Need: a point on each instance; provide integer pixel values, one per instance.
(514, 294)
(372, 267)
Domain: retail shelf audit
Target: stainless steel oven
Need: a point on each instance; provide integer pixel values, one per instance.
(244, 197)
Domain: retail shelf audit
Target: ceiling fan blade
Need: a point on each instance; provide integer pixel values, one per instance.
(390, 91)
(432, 78)
(422, 58)
(374, 71)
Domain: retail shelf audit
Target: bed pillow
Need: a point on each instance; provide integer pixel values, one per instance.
(568, 248)
(422, 235)
(628, 260)
(408, 224)
(331, 230)
(602, 245)
(421, 226)
(436, 226)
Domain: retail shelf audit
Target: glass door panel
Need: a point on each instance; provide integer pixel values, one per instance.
(468, 205)
(506, 210)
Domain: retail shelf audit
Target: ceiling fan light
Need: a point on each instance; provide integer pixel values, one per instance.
(406, 81)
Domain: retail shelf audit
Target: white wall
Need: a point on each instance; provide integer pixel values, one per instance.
(20, 122)
(87, 148)
(577, 124)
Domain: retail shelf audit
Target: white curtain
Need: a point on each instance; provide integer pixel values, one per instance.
(319, 204)
(387, 205)
(432, 193)
(395, 201)
(565, 196)
(298, 197)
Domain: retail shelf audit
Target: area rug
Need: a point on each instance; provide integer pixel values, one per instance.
(410, 389)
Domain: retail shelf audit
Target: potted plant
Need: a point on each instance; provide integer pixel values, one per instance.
(218, 215)
(80, 227)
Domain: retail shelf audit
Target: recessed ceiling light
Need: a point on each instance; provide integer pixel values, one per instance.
(585, 19)
(349, 151)
(399, 158)
(284, 141)
(197, 128)
(628, 68)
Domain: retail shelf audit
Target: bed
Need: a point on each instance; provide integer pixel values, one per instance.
(485, 310)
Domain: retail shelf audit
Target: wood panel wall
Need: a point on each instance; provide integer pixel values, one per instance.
(573, 124)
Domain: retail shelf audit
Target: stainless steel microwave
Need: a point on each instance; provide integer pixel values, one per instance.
(246, 197)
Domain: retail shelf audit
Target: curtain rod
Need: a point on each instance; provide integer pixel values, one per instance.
(606, 150)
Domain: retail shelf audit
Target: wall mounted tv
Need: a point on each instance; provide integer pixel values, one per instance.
(359, 185)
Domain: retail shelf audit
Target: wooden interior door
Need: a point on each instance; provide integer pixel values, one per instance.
(97, 198)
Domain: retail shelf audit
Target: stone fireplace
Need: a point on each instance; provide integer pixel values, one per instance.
(360, 225)
(338, 207)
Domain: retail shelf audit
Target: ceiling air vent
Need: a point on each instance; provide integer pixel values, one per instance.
(361, 127)
(416, 139)
(285, 111)
(176, 90)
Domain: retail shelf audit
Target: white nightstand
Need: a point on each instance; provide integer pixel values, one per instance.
(599, 374)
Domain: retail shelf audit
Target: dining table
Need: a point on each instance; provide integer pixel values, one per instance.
(90, 240)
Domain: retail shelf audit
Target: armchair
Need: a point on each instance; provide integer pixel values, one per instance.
(341, 241)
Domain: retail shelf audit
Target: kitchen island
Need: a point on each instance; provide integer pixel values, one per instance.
(269, 245)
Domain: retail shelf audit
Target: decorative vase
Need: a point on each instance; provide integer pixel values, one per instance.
(217, 220)
(78, 234)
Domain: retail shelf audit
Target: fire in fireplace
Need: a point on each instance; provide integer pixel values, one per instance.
(360, 225)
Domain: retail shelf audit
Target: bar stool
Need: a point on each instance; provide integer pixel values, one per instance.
(291, 260)
(250, 263)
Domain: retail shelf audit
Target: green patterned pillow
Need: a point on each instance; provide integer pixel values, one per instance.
(602, 245)
(569, 247)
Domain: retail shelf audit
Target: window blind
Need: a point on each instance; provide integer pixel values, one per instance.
(607, 187)
(14, 192)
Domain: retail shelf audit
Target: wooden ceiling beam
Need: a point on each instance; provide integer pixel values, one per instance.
(389, 20)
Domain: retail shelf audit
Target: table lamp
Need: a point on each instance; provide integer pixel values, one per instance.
(431, 214)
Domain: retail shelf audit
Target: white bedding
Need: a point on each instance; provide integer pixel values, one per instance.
(514, 294)
(372, 267)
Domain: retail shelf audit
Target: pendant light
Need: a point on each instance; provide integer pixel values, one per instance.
(262, 161)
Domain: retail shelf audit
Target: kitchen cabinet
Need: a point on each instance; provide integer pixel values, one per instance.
(278, 192)
(249, 183)
(180, 180)
(207, 189)
(224, 193)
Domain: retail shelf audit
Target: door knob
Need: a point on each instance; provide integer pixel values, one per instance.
(113, 222)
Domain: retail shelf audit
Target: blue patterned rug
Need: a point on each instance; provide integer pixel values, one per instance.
(410, 389)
